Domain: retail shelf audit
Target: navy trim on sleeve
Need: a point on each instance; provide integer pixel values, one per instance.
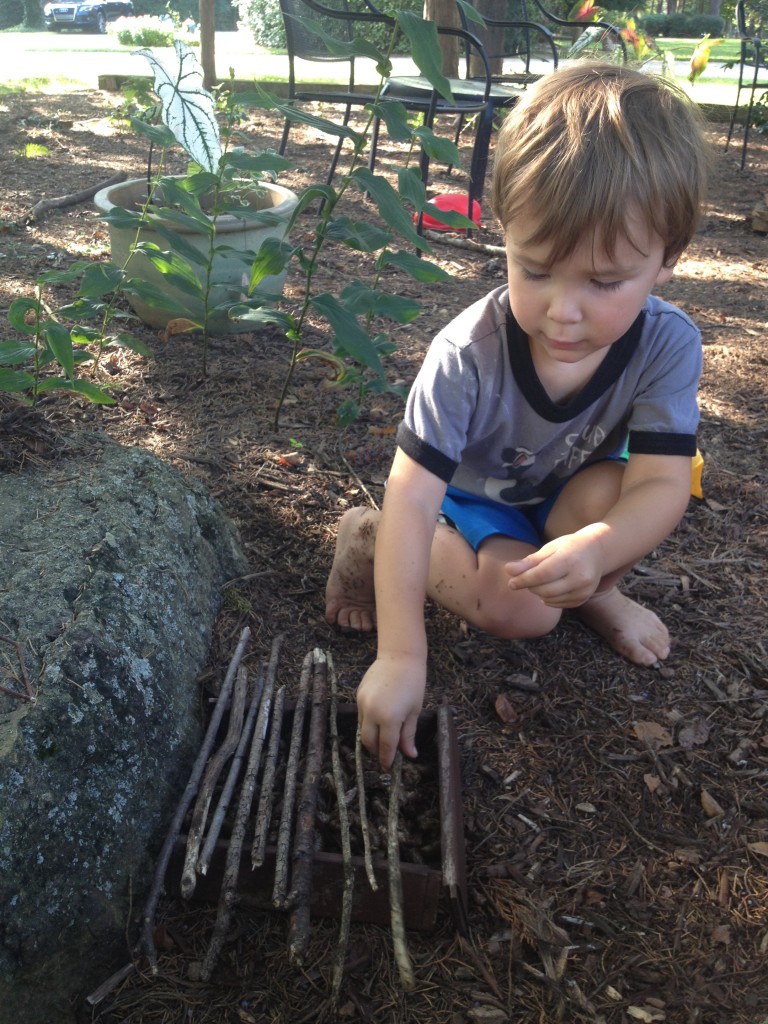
(661, 444)
(427, 456)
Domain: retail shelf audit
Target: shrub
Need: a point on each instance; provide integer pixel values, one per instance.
(144, 31)
(181, 10)
(265, 21)
(683, 26)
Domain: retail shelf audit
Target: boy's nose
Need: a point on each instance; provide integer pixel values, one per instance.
(564, 308)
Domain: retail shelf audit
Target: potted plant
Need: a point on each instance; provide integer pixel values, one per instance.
(186, 241)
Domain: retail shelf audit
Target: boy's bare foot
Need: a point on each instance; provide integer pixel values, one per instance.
(350, 600)
(635, 632)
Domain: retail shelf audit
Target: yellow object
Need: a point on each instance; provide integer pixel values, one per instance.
(697, 465)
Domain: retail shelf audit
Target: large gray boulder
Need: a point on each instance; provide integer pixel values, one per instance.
(111, 568)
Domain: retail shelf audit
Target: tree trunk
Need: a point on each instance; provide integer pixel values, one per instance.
(490, 37)
(714, 7)
(445, 13)
(33, 14)
(208, 42)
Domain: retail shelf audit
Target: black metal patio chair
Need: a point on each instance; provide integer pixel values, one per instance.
(414, 92)
(753, 77)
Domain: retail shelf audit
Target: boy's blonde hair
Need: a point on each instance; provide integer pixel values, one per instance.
(592, 144)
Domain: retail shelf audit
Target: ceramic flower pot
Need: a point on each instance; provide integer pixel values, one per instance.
(233, 234)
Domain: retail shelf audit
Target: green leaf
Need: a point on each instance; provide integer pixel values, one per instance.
(425, 50)
(348, 412)
(471, 12)
(175, 194)
(298, 115)
(13, 381)
(19, 310)
(91, 391)
(395, 116)
(85, 336)
(177, 243)
(349, 335)
(158, 134)
(411, 187)
(419, 269)
(80, 309)
(271, 259)
(389, 204)
(99, 279)
(188, 109)
(441, 149)
(362, 301)
(259, 163)
(60, 344)
(13, 352)
(452, 218)
(358, 235)
(247, 314)
(155, 297)
(64, 276)
(176, 272)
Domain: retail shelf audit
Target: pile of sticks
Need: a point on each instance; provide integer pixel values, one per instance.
(249, 753)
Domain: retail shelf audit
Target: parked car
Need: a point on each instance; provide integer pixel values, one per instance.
(89, 15)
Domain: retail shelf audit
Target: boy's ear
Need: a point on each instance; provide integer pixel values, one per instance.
(665, 273)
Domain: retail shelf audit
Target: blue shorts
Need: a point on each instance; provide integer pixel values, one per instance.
(478, 518)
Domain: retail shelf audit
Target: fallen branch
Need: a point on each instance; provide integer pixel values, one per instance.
(304, 845)
(346, 844)
(461, 242)
(282, 853)
(232, 865)
(402, 957)
(267, 798)
(364, 826)
(229, 786)
(146, 941)
(36, 212)
(211, 775)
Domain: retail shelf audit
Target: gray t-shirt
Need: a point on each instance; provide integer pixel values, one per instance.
(479, 418)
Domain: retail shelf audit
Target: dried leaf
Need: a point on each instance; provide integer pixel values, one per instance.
(694, 734)
(646, 1013)
(759, 848)
(178, 326)
(586, 808)
(506, 710)
(653, 734)
(687, 856)
(722, 933)
(711, 807)
(652, 781)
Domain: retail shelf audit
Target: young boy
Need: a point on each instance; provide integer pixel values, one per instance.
(516, 427)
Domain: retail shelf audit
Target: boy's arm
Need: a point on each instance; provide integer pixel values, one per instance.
(391, 693)
(566, 571)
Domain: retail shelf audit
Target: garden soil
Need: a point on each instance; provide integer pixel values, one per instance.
(615, 817)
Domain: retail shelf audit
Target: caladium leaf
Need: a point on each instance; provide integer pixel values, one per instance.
(188, 108)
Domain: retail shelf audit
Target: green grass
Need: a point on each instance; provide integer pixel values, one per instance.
(728, 50)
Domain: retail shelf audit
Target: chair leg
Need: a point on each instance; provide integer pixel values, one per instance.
(284, 139)
(479, 166)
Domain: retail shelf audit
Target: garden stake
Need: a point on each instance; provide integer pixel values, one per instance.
(232, 866)
(146, 941)
(402, 957)
(267, 799)
(304, 845)
(346, 845)
(363, 811)
(232, 777)
(211, 775)
(282, 854)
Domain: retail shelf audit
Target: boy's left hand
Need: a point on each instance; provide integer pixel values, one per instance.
(565, 572)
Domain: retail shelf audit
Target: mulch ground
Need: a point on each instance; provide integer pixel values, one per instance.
(615, 817)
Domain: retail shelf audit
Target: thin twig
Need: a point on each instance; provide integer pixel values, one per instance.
(211, 775)
(346, 844)
(282, 854)
(402, 957)
(304, 845)
(232, 865)
(364, 826)
(267, 798)
(233, 775)
(147, 942)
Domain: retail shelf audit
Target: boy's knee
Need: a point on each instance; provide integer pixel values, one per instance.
(525, 623)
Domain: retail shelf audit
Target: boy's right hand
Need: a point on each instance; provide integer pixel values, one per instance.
(389, 700)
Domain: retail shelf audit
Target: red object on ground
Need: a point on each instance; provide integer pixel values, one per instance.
(450, 201)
